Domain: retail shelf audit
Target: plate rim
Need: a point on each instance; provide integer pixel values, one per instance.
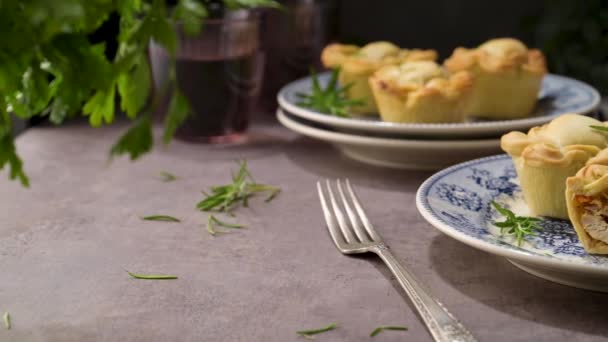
(423, 207)
(486, 127)
(345, 138)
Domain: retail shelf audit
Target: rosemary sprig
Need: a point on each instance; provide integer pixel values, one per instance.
(164, 218)
(167, 177)
(332, 99)
(224, 198)
(151, 276)
(309, 333)
(387, 327)
(7, 320)
(213, 222)
(519, 226)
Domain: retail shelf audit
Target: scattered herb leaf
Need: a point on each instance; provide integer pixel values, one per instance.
(7, 320)
(167, 177)
(387, 327)
(519, 226)
(223, 198)
(599, 128)
(309, 333)
(151, 276)
(164, 218)
(213, 222)
(331, 100)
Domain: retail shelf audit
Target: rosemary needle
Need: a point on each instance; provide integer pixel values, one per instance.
(7, 320)
(213, 221)
(151, 276)
(599, 128)
(309, 333)
(332, 99)
(224, 198)
(167, 177)
(165, 218)
(519, 226)
(387, 327)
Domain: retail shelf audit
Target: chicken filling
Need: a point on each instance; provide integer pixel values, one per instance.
(595, 216)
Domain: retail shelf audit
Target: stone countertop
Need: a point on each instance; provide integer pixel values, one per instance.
(65, 244)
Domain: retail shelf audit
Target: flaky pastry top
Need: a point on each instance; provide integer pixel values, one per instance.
(424, 78)
(371, 56)
(498, 55)
(564, 140)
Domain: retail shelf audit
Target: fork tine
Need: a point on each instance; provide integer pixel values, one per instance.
(348, 234)
(366, 223)
(359, 231)
(334, 231)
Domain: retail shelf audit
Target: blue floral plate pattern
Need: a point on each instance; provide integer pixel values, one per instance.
(558, 95)
(457, 201)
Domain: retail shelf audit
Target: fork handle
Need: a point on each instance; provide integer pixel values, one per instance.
(441, 324)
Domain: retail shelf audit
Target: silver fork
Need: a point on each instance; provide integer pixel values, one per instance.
(357, 235)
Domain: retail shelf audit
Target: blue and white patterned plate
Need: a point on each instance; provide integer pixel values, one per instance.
(558, 95)
(457, 201)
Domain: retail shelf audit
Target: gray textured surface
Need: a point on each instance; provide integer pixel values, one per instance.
(64, 244)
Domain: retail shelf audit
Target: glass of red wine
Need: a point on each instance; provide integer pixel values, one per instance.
(220, 72)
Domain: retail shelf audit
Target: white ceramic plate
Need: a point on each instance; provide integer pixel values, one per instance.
(559, 95)
(457, 201)
(392, 152)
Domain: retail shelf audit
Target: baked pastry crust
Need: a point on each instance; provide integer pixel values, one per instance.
(587, 200)
(507, 74)
(357, 64)
(420, 91)
(546, 156)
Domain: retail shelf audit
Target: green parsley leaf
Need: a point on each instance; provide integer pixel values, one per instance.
(178, 113)
(191, 14)
(136, 141)
(134, 88)
(236, 4)
(100, 107)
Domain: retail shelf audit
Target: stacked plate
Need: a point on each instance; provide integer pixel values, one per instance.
(426, 146)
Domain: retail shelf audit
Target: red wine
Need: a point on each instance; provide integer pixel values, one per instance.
(222, 95)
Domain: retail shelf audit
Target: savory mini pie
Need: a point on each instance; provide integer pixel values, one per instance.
(420, 92)
(587, 200)
(546, 156)
(357, 64)
(507, 75)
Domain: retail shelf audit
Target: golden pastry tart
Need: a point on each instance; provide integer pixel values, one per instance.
(546, 156)
(587, 200)
(507, 74)
(357, 64)
(420, 91)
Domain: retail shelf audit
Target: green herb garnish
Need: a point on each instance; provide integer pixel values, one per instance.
(151, 276)
(519, 226)
(7, 320)
(331, 100)
(226, 197)
(213, 221)
(387, 327)
(167, 177)
(309, 333)
(164, 218)
(599, 128)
